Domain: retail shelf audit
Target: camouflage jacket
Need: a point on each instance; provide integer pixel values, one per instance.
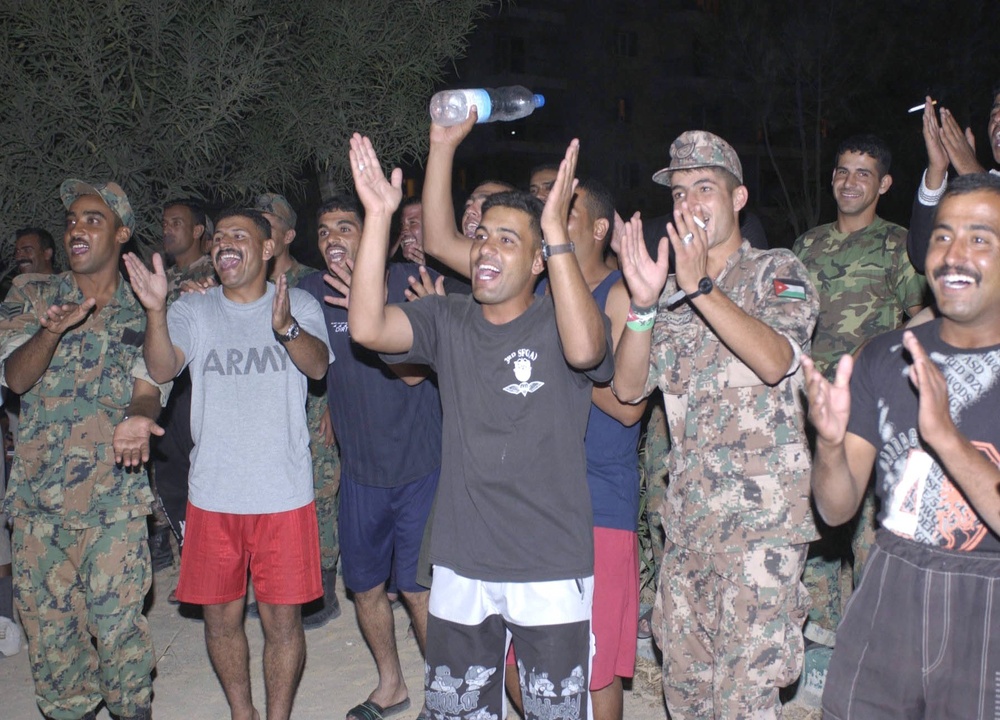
(64, 467)
(865, 283)
(198, 270)
(739, 465)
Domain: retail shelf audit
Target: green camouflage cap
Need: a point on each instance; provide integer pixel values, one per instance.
(111, 193)
(699, 149)
(276, 205)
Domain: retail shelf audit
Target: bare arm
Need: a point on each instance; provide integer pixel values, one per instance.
(645, 280)
(579, 320)
(163, 359)
(616, 308)
(842, 461)
(372, 323)
(966, 466)
(308, 352)
(442, 238)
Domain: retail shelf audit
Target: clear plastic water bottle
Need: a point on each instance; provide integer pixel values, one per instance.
(450, 107)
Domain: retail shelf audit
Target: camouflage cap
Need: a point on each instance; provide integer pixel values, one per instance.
(276, 205)
(111, 193)
(699, 149)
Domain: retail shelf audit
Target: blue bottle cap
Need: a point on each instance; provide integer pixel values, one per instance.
(539, 101)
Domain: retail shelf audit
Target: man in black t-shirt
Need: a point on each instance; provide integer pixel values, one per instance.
(919, 638)
(511, 541)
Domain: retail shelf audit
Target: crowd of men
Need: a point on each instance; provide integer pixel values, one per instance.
(454, 417)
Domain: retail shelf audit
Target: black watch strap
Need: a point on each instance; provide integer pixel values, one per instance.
(705, 286)
(290, 334)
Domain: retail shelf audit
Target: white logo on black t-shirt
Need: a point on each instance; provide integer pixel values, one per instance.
(522, 372)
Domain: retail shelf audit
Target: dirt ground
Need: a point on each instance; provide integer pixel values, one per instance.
(339, 671)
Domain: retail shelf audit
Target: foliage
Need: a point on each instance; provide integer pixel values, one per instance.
(216, 98)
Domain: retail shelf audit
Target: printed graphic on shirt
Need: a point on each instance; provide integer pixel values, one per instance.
(257, 361)
(924, 505)
(520, 362)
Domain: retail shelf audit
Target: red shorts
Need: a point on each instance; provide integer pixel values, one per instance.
(615, 617)
(281, 550)
(616, 605)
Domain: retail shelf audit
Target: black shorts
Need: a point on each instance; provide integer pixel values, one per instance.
(920, 638)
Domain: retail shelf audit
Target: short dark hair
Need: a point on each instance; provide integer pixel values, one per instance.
(343, 203)
(600, 203)
(412, 200)
(44, 237)
(974, 182)
(489, 181)
(519, 200)
(554, 166)
(196, 207)
(870, 145)
(250, 214)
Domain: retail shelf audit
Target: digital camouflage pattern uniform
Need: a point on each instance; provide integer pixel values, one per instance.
(737, 518)
(866, 284)
(81, 559)
(200, 269)
(326, 458)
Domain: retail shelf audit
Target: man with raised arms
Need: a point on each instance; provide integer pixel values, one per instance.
(511, 542)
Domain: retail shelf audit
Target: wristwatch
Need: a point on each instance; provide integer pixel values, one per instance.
(290, 334)
(550, 250)
(705, 286)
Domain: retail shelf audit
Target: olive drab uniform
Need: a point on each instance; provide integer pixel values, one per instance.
(81, 559)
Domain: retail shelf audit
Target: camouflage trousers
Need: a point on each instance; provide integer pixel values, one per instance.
(80, 594)
(730, 628)
(656, 447)
(829, 559)
(326, 483)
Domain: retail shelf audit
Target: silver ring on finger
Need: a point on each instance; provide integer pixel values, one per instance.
(687, 239)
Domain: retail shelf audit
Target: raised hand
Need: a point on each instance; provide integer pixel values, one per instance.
(937, 156)
(934, 414)
(149, 287)
(645, 278)
(60, 318)
(340, 280)
(960, 145)
(454, 134)
(829, 403)
(378, 195)
(131, 440)
(556, 212)
(690, 243)
(281, 312)
(424, 286)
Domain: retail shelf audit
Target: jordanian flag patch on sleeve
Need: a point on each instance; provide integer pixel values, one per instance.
(790, 289)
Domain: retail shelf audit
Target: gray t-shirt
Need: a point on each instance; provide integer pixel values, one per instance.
(248, 402)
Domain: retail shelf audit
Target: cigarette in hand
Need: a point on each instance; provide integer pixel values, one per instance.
(918, 108)
(699, 222)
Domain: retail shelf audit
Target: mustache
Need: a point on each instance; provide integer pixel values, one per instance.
(958, 270)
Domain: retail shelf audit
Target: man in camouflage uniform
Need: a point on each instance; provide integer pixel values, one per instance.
(730, 327)
(322, 444)
(71, 344)
(867, 286)
(183, 223)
